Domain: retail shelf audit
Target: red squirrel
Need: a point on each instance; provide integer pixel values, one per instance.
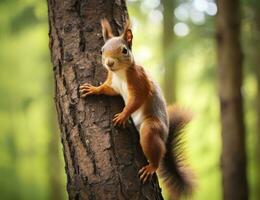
(160, 127)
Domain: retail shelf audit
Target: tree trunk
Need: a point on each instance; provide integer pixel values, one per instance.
(168, 60)
(257, 153)
(230, 81)
(102, 161)
(257, 145)
(256, 62)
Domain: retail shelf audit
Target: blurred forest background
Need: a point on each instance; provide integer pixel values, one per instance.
(31, 162)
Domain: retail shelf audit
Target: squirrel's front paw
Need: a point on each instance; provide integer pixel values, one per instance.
(120, 118)
(87, 89)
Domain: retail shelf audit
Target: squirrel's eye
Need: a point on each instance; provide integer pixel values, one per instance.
(124, 50)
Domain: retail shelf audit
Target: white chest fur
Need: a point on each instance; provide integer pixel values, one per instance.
(119, 84)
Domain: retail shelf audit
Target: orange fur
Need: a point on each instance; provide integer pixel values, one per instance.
(127, 35)
(151, 141)
(106, 29)
(105, 87)
(87, 89)
(139, 89)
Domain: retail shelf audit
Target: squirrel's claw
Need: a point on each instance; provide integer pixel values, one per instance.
(85, 85)
(119, 119)
(85, 93)
(87, 89)
(146, 173)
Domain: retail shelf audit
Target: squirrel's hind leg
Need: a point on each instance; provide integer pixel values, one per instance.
(152, 145)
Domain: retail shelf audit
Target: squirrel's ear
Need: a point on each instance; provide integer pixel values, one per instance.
(106, 29)
(127, 34)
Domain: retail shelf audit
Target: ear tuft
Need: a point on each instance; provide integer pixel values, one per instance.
(127, 34)
(106, 30)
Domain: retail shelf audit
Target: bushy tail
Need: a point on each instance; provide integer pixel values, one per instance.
(175, 175)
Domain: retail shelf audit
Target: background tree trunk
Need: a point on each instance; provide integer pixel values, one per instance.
(56, 190)
(55, 180)
(230, 82)
(168, 59)
(101, 161)
(256, 63)
(257, 67)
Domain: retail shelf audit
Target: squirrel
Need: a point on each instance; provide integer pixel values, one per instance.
(160, 127)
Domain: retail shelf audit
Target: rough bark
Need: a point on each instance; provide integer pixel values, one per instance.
(101, 160)
(168, 60)
(230, 58)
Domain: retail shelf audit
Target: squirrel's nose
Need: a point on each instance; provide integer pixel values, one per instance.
(110, 62)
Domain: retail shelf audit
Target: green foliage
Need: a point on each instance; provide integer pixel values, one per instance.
(25, 102)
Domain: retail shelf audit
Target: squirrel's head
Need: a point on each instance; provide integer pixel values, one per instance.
(116, 52)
